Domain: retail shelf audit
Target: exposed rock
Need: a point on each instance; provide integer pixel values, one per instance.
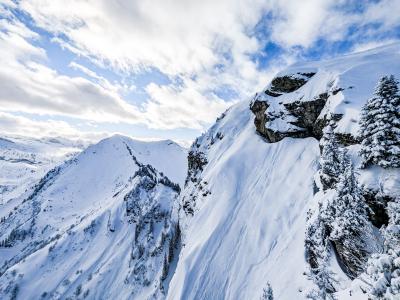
(306, 114)
(258, 108)
(352, 255)
(353, 251)
(377, 203)
(346, 139)
(287, 84)
(196, 161)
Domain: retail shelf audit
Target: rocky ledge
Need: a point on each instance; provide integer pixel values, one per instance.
(302, 117)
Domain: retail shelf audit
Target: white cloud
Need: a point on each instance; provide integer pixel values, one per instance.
(17, 125)
(173, 107)
(174, 36)
(130, 36)
(28, 85)
(206, 44)
(302, 23)
(299, 22)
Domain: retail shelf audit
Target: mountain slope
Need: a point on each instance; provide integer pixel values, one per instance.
(250, 228)
(250, 186)
(101, 224)
(134, 220)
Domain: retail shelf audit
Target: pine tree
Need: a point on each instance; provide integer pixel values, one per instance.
(380, 126)
(315, 242)
(317, 252)
(330, 158)
(346, 214)
(383, 269)
(392, 232)
(267, 293)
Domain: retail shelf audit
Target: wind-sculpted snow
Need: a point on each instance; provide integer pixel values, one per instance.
(78, 234)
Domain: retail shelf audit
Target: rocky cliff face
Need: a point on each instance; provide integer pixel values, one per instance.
(302, 117)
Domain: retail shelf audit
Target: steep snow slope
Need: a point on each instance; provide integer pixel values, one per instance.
(245, 203)
(101, 224)
(250, 229)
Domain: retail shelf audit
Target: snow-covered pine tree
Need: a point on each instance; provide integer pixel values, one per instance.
(383, 269)
(315, 241)
(346, 215)
(380, 126)
(267, 293)
(346, 219)
(317, 252)
(392, 232)
(323, 279)
(330, 162)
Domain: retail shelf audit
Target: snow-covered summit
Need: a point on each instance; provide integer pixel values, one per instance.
(102, 224)
(166, 156)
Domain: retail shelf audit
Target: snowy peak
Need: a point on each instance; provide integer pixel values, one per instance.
(166, 156)
(103, 222)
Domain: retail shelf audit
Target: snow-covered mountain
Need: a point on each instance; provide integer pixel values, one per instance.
(252, 182)
(267, 197)
(102, 224)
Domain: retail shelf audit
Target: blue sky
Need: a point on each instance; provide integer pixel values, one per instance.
(163, 69)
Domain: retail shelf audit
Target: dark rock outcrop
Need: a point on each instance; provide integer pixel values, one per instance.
(287, 84)
(258, 108)
(377, 203)
(352, 255)
(196, 161)
(307, 113)
(306, 122)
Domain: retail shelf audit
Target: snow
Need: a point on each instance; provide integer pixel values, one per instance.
(80, 235)
(250, 203)
(23, 161)
(250, 229)
(350, 80)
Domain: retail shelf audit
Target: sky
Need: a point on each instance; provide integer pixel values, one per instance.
(163, 69)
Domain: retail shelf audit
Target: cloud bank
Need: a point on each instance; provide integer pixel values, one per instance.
(203, 47)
